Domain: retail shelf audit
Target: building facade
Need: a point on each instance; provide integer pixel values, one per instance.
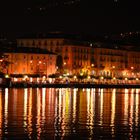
(24, 61)
(115, 63)
(74, 56)
(95, 59)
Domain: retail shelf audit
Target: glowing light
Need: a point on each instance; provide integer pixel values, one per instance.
(6, 76)
(25, 77)
(15, 79)
(25, 105)
(88, 77)
(113, 110)
(102, 78)
(126, 79)
(92, 65)
(6, 107)
(60, 77)
(31, 79)
(113, 67)
(114, 78)
(75, 77)
(81, 74)
(132, 68)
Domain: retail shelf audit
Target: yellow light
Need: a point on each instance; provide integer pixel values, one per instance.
(92, 65)
(64, 63)
(102, 77)
(114, 78)
(6, 76)
(88, 77)
(75, 77)
(25, 77)
(132, 68)
(60, 76)
(126, 79)
(81, 74)
(113, 67)
(137, 79)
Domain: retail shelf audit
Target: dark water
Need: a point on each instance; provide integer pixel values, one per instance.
(69, 114)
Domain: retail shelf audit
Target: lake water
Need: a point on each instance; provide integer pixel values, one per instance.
(42, 113)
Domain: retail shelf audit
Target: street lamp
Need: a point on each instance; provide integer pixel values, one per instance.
(132, 68)
(92, 65)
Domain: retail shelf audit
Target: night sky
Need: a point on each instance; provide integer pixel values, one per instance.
(78, 16)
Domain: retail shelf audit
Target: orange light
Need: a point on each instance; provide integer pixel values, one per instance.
(113, 67)
(132, 68)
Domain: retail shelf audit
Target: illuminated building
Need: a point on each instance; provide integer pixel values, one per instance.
(75, 56)
(97, 58)
(115, 64)
(30, 61)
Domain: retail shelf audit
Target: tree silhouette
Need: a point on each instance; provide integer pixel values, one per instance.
(59, 62)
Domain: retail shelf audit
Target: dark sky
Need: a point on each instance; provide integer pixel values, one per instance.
(79, 16)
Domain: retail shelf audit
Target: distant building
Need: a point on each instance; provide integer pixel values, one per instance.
(115, 61)
(75, 56)
(100, 59)
(25, 60)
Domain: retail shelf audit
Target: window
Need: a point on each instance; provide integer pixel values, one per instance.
(39, 43)
(51, 43)
(21, 44)
(33, 43)
(57, 43)
(45, 43)
(66, 49)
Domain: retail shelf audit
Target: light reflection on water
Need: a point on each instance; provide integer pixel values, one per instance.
(45, 113)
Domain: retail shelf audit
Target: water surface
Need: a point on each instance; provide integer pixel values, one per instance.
(48, 113)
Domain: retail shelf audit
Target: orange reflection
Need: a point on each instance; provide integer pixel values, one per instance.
(6, 108)
(0, 114)
(113, 110)
(38, 113)
(43, 104)
(137, 109)
(29, 116)
(101, 105)
(25, 106)
(90, 109)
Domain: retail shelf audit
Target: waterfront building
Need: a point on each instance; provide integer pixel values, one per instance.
(26, 61)
(72, 56)
(97, 59)
(115, 62)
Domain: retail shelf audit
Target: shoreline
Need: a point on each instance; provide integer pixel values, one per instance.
(70, 85)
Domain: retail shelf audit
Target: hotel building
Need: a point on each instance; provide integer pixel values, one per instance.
(29, 61)
(75, 56)
(98, 59)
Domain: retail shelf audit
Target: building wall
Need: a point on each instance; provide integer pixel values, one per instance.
(114, 62)
(27, 63)
(89, 59)
(74, 57)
